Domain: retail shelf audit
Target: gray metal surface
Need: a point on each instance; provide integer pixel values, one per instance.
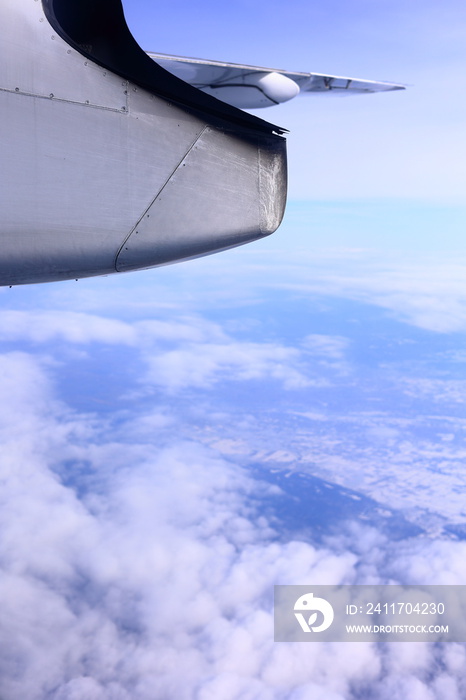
(99, 175)
(233, 179)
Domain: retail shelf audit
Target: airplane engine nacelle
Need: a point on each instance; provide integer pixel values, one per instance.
(110, 163)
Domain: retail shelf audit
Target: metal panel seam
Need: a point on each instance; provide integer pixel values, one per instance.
(206, 128)
(123, 110)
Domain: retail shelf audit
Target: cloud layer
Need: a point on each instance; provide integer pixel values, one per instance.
(138, 549)
(142, 568)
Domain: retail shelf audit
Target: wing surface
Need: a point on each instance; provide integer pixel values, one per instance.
(251, 87)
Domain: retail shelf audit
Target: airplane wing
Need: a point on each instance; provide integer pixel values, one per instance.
(252, 87)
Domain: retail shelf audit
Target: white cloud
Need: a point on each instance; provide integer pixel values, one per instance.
(329, 351)
(182, 352)
(71, 326)
(425, 291)
(421, 288)
(438, 390)
(149, 573)
(135, 563)
(201, 365)
(330, 346)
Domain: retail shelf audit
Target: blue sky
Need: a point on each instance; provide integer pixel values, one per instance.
(147, 420)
